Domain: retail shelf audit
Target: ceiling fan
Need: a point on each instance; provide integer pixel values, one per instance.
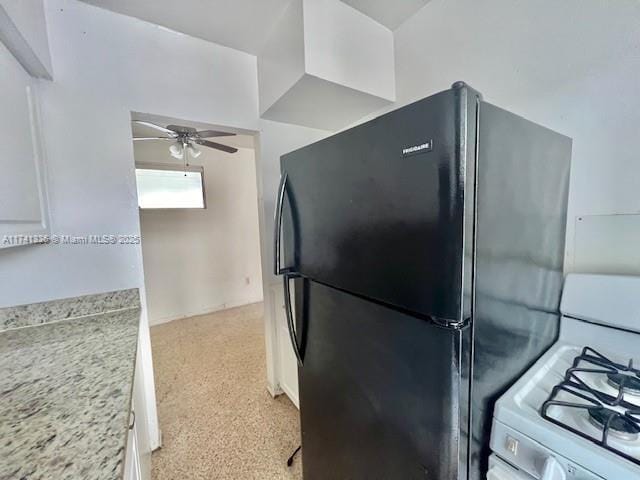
(183, 139)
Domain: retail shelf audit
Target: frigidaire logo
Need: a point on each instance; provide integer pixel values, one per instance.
(423, 147)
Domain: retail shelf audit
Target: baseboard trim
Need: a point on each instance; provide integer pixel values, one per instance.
(292, 395)
(157, 444)
(274, 391)
(205, 311)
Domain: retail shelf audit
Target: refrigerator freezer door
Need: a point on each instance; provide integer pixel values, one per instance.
(379, 210)
(379, 390)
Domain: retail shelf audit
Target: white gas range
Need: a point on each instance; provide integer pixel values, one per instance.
(575, 415)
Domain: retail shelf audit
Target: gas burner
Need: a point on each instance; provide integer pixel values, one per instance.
(627, 382)
(618, 424)
(624, 379)
(613, 415)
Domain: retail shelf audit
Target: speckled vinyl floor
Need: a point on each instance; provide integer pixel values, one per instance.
(217, 419)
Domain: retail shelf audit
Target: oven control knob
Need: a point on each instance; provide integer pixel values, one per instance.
(552, 470)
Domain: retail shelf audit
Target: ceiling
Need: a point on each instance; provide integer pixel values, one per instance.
(389, 13)
(240, 140)
(240, 24)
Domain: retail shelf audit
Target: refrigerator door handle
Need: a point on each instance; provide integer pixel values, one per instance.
(277, 269)
(290, 323)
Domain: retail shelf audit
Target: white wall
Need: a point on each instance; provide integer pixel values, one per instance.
(275, 139)
(572, 66)
(107, 65)
(28, 16)
(344, 46)
(198, 261)
(324, 65)
(281, 59)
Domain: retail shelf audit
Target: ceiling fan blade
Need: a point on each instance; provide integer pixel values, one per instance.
(156, 127)
(217, 146)
(213, 133)
(181, 129)
(135, 139)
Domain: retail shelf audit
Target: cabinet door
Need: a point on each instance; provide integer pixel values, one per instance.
(141, 430)
(137, 465)
(23, 209)
(131, 462)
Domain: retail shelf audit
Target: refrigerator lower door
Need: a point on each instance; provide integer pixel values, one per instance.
(380, 391)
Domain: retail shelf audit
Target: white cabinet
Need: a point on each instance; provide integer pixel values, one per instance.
(137, 465)
(132, 459)
(23, 202)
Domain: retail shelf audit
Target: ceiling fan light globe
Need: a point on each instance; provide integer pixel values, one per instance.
(176, 151)
(194, 152)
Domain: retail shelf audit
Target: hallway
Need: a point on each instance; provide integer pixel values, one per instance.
(216, 417)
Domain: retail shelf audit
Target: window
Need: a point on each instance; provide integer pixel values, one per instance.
(168, 186)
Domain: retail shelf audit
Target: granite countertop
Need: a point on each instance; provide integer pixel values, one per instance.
(65, 396)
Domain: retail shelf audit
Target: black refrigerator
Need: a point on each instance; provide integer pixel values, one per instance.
(422, 256)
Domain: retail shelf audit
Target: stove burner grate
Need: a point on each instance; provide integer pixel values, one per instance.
(624, 378)
(618, 424)
(623, 424)
(628, 383)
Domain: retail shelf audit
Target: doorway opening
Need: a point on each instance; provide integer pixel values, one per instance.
(197, 191)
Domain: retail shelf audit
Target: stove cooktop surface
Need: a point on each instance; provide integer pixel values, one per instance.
(599, 400)
(582, 402)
